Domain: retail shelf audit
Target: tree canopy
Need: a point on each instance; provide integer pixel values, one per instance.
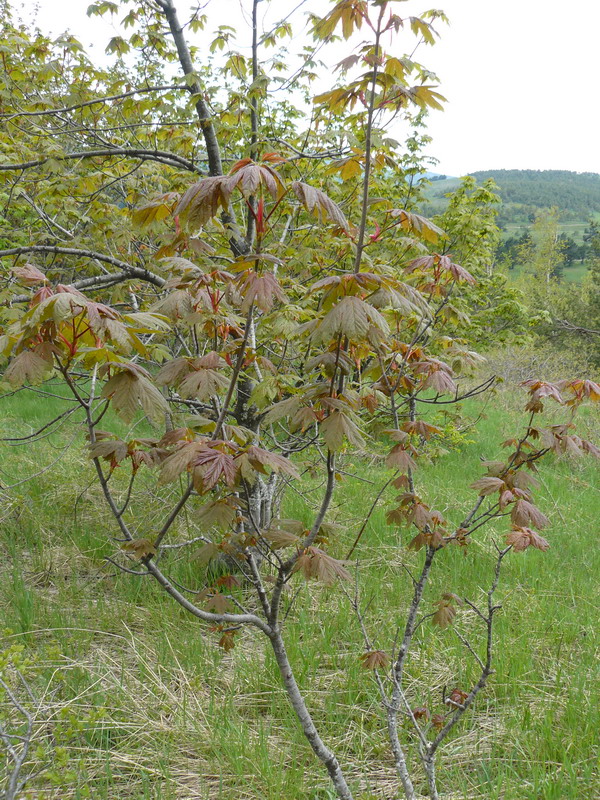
(195, 248)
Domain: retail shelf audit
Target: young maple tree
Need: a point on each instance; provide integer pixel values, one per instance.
(261, 288)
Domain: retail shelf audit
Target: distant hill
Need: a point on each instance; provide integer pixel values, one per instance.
(525, 191)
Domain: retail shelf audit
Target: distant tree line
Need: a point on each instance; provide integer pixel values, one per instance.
(516, 250)
(524, 192)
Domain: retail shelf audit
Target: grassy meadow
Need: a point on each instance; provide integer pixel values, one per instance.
(137, 701)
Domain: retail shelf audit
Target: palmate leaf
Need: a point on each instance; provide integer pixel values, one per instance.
(139, 548)
(181, 267)
(399, 458)
(203, 384)
(488, 485)
(130, 390)
(456, 698)
(155, 210)
(315, 563)
(420, 226)
(206, 553)
(147, 322)
(338, 426)
(330, 361)
(351, 318)
(113, 450)
(444, 264)
(65, 304)
(444, 614)
(219, 513)
(173, 372)
(29, 366)
(420, 27)
(176, 305)
(247, 176)
(261, 459)
(375, 659)
(279, 536)
(29, 275)
(179, 461)
(524, 512)
(118, 333)
(195, 377)
(439, 380)
(212, 465)
(387, 297)
(261, 291)
(522, 538)
(219, 603)
(351, 13)
(590, 448)
(338, 99)
(227, 640)
(426, 97)
(350, 168)
(337, 286)
(580, 388)
(282, 409)
(202, 201)
(319, 204)
(419, 427)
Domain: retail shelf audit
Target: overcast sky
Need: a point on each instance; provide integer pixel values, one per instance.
(520, 76)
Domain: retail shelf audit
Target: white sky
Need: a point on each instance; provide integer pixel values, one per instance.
(520, 76)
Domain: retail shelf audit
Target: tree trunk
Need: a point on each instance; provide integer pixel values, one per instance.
(319, 748)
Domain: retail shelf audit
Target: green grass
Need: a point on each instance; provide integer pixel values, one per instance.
(573, 274)
(575, 230)
(139, 702)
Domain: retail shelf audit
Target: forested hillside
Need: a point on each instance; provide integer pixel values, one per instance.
(524, 192)
(576, 194)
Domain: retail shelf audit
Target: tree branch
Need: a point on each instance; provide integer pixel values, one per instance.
(127, 270)
(162, 156)
(64, 110)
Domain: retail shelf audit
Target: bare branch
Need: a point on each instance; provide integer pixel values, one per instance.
(50, 111)
(486, 670)
(130, 271)
(206, 616)
(162, 156)
(18, 756)
(570, 326)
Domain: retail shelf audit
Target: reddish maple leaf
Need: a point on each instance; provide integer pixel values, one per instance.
(212, 465)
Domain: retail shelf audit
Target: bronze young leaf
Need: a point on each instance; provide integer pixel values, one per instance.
(139, 548)
(131, 390)
(315, 563)
(375, 659)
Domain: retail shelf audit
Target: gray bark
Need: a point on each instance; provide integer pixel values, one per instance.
(319, 748)
(127, 271)
(213, 151)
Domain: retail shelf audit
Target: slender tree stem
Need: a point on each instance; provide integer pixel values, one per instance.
(308, 726)
(286, 568)
(251, 220)
(398, 670)
(213, 151)
(185, 59)
(234, 378)
(360, 245)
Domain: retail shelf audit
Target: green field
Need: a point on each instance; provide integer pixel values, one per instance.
(574, 230)
(138, 702)
(573, 274)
